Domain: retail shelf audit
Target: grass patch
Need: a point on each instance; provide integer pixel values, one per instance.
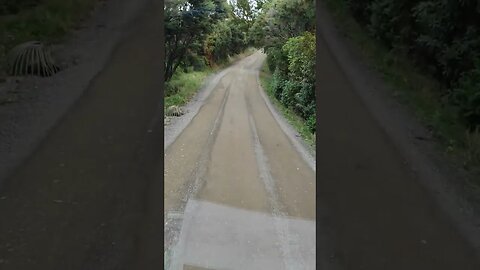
(183, 86)
(293, 119)
(47, 21)
(421, 93)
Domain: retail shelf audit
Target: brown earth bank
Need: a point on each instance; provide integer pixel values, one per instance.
(381, 202)
(83, 199)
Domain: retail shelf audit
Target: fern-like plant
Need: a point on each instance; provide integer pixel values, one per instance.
(31, 58)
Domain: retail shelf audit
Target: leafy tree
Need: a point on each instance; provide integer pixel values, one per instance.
(300, 52)
(442, 37)
(301, 57)
(187, 22)
(285, 28)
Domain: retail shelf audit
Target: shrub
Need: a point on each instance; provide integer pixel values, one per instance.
(467, 96)
(300, 52)
(277, 84)
(312, 123)
(290, 89)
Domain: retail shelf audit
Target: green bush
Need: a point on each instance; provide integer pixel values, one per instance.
(293, 82)
(312, 123)
(441, 37)
(277, 84)
(290, 89)
(305, 100)
(359, 9)
(277, 59)
(195, 61)
(226, 39)
(300, 52)
(467, 97)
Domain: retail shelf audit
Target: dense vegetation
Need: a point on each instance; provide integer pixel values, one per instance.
(286, 29)
(200, 33)
(429, 52)
(205, 33)
(442, 37)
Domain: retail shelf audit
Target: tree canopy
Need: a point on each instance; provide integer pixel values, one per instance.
(209, 31)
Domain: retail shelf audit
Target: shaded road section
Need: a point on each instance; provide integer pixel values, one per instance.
(81, 200)
(373, 211)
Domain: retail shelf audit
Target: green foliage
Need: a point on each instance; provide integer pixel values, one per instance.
(285, 28)
(441, 37)
(8, 7)
(187, 23)
(183, 86)
(217, 43)
(301, 57)
(277, 60)
(467, 96)
(283, 19)
(303, 127)
(195, 61)
(226, 39)
(293, 82)
(290, 88)
(278, 84)
(311, 122)
(209, 30)
(359, 9)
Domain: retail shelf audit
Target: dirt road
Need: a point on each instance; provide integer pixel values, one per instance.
(238, 195)
(82, 199)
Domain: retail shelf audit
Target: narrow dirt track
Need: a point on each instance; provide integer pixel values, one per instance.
(238, 195)
(82, 199)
